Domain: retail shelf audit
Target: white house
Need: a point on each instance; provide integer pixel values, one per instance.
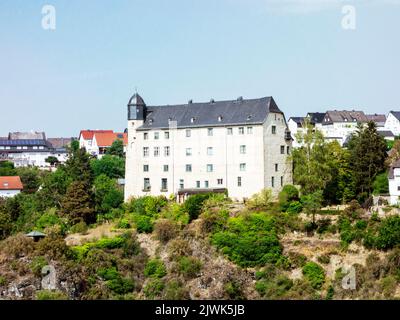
(393, 122)
(296, 124)
(240, 145)
(394, 183)
(96, 142)
(10, 186)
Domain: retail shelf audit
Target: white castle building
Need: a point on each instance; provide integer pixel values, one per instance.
(241, 146)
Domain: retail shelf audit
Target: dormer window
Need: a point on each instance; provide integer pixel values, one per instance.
(150, 121)
(219, 118)
(192, 119)
(5, 184)
(249, 117)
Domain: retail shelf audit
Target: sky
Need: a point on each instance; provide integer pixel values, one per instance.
(82, 74)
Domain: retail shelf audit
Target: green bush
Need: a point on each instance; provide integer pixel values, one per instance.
(48, 219)
(294, 207)
(189, 267)
(115, 282)
(381, 184)
(234, 290)
(165, 230)
(315, 274)
(193, 205)
(155, 269)
(389, 233)
(288, 195)
(260, 201)
(323, 225)
(174, 290)
(144, 224)
(37, 265)
(50, 295)
(3, 281)
(153, 288)
(80, 227)
(123, 224)
(249, 240)
(148, 205)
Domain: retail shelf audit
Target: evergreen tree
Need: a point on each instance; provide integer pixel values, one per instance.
(116, 149)
(78, 203)
(78, 165)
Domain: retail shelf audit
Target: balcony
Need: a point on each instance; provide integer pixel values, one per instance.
(288, 135)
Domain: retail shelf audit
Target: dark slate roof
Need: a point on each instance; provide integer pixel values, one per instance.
(316, 117)
(396, 114)
(345, 116)
(24, 142)
(376, 117)
(299, 121)
(213, 113)
(386, 133)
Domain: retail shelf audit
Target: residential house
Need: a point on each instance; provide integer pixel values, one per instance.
(393, 122)
(295, 125)
(10, 186)
(240, 145)
(97, 142)
(394, 183)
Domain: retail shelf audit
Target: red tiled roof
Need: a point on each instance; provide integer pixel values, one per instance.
(88, 134)
(10, 183)
(105, 139)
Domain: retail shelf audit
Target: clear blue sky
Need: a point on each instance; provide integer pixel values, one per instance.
(82, 74)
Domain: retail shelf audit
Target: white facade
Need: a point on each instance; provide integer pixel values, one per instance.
(8, 193)
(244, 159)
(392, 124)
(394, 187)
(294, 130)
(338, 131)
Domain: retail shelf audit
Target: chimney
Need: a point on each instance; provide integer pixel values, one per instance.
(190, 101)
(240, 99)
(212, 101)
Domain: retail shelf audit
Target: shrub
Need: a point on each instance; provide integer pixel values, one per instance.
(17, 246)
(381, 184)
(174, 290)
(288, 195)
(165, 230)
(143, 223)
(50, 295)
(110, 243)
(297, 260)
(155, 269)
(176, 213)
(234, 290)
(80, 227)
(294, 207)
(353, 211)
(178, 248)
(324, 259)
(194, 203)
(115, 282)
(261, 200)
(149, 206)
(48, 219)
(189, 267)
(213, 220)
(389, 233)
(153, 288)
(37, 265)
(323, 225)
(123, 224)
(315, 274)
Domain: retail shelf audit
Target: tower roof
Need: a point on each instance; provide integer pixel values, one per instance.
(136, 100)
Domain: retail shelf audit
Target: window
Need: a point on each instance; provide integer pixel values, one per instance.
(273, 129)
(249, 130)
(181, 184)
(210, 132)
(188, 151)
(145, 151)
(166, 168)
(166, 151)
(398, 188)
(156, 135)
(197, 184)
(239, 181)
(188, 133)
(241, 130)
(282, 149)
(2, 147)
(206, 184)
(146, 168)
(288, 150)
(25, 147)
(281, 181)
(243, 149)
(34, 148)
(166, 134)
(164, 184)
(145, 136)
(156, 151)
(276, 167)
(230, 131)
(19, 147)
(210, 168)
(146, 184)
(273, 182)
(220, 181)
(209, 151)
(188, 168)
(242, 167)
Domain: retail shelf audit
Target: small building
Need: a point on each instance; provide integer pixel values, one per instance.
(393, 122)
(386, 134)
(96, 142)
(10, 186)
(394, 183)
(36, 235)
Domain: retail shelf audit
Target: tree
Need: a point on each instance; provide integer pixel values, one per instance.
(78, 204)
(367, 157)
(7, 168)
(311, 161)
(107, 194)
(52, 160)
(54, 188)
(312, 203)
(30, 178)
(112, 166)
(393, 154)
(116, 149)
(78, 165)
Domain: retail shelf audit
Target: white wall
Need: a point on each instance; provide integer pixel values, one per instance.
(394, 185)
(8, 193)
(392, 124)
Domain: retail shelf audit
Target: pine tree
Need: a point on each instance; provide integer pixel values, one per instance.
(78, 165)
(78, 203)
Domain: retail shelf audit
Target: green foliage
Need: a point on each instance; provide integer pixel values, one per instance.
(165, 230)
(154, 288)
(48, 219)
(30, 178)
(107, 194)
(81, 252)
(294, 207)
(50, 295)
(3, 281)
(315, 274)
(52, 160)
(174, 212)
(312, 203)
(174, 290)
(155, 268)
(80, 227)
(261, 200)
(116, 149)
(37, 265)
(389, 233)
(144, 224)
(123, 224)
(194, 203)
(148, 205)
(287, 196)
(7, 168)
(189, 267)
(249, 240)
(115, 282)
(78, 166)
(381, 184)
(109, 165)
(234, 290)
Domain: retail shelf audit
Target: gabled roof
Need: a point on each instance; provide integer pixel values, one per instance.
(386, 133)
(213, 113)
(396, 114)
(106, 139)
(88, 134)
(376, 117)
(345, 116)
(11, 183)
(298, 120)
(27, 135)
(60, 142)
(316, 117)
(395, 165)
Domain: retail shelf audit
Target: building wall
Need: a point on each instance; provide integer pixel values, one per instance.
(392, 124)
(8, 193)
(262, 151)
(394, 185)
(338, 131)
